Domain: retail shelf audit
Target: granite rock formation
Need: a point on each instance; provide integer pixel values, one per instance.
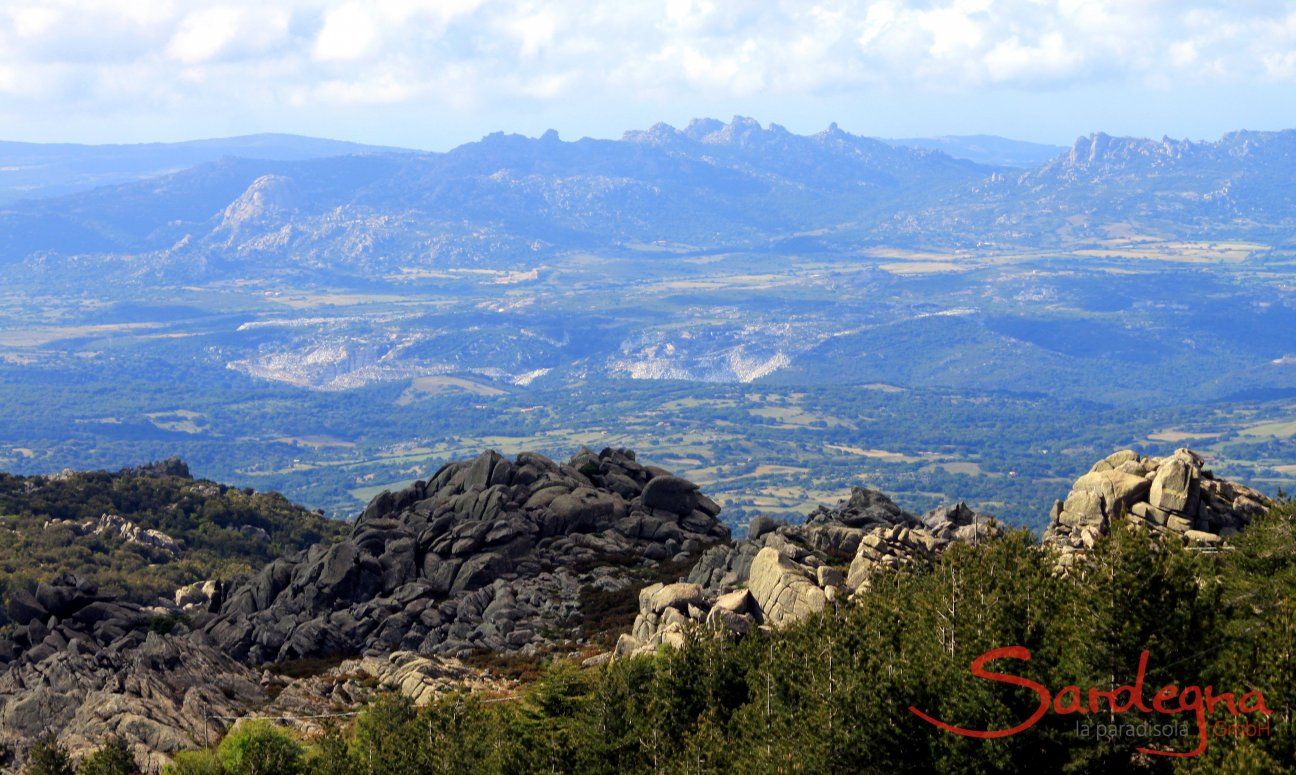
(487, 554)
(1175, 495)
(781, 573)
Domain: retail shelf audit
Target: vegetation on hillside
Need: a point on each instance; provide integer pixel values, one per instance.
(833, 693)
(222, 531)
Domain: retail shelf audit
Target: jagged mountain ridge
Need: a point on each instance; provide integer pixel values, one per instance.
(1127, 187)
(710, 185)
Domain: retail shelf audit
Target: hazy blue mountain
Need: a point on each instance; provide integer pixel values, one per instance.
(29, 170)
(986, 149)
(1237, 187)
(709, 185)
(512, 201)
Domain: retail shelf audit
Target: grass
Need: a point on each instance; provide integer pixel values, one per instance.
(435, 385)
(317, 442)
(43, 335)
(793, 416)
(1283, 429)
(924, 267)
(1174, 436)
(881, 454)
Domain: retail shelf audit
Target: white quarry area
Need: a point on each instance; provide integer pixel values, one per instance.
(715, 354)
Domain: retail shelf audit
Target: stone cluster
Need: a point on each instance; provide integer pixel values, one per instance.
(782, 573)
(488, 554)
(1175, 495)
(86, 665)
(114, 526)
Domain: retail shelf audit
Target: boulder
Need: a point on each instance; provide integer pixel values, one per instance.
(1175, 495)
(1175, 487)
(783, 591)
(672, 494)
(678, 596)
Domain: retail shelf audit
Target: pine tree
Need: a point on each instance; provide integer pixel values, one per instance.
(48, 757)
(114, 758)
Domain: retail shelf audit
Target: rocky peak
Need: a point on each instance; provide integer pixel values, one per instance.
(699, 128)
(741, 130)
(861, 508)
(489, 553)
(660, 133)
(268, 196)
(172, 466)
(1175, 496)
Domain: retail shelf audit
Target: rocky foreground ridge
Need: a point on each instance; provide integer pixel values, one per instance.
(504, 556)
(488, 555)
(781, 572)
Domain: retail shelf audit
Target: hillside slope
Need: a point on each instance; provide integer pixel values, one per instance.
(141, 533)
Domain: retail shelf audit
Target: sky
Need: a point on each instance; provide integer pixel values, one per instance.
(435, 74)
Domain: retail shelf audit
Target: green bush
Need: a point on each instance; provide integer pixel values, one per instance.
(48, 757)
(195, 763)
(260, 748)
(114, 758)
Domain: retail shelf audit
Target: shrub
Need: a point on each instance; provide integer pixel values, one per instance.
(260, 748)
(114, 758)
(48, 757)
(195, 763)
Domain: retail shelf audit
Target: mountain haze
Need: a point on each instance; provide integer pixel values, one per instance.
(708, 186)
(37, 170)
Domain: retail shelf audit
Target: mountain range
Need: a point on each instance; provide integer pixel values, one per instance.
(38, 170)
(508, 201)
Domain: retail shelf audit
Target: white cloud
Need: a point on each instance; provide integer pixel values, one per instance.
(89, 57)
(202, 35)
(349, 33)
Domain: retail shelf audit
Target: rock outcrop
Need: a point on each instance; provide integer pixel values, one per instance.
(354, 682)
(1175, 495)
(68, 610)
(488, 554)
(84, 665)
(781, 573)
(114, 526)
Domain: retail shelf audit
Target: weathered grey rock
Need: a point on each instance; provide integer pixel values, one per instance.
(862, 508)
(783, 590)
(759, 526)
(1175, 496)
(672, 494)
(1175, 487)
(426, 569)
(804, 566)
(892, 548)
(678, 596)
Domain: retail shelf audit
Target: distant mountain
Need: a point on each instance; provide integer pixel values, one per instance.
(711, 184)
(510, 200)
(1238, 187)
(35, 170)
(986, 149)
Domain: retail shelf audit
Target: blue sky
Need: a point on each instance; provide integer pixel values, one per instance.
(435, 74)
